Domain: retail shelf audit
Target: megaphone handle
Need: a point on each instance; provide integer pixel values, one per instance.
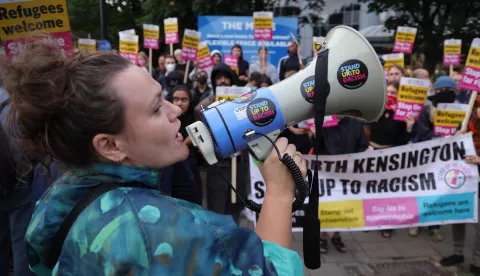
(260, 148)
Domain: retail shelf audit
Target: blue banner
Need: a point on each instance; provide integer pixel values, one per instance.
(222, 32)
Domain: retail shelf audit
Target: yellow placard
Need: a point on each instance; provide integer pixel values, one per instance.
(412, 94)
(191, 41)
(203, 51)
(263, 23)
(452, 49)
(473, 58)
(171, 28)
(405, 37)
(341, 214)
(390, 62)
(130, 47)
(147, 33)
(20, 19)
(449, 118)
(89, 48)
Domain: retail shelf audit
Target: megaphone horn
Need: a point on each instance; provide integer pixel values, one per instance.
(357, 89)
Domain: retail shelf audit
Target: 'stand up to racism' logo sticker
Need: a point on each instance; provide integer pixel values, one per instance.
(308, 89)
(261, 111)
(352, 74)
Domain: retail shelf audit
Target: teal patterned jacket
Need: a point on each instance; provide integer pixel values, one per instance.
(135, 231)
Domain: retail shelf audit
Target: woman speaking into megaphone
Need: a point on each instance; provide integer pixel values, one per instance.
(107, 121)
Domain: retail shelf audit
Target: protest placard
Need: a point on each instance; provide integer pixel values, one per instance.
(391, 59)
(22, 19)
(129, 47)
(328, 121)
(231, 61)
(151, 33)
(471, 73)
(448, 118)
(263, 25)
(419, 184)
(316, 41)
(452, 49)
(87, 45)
(204, 59)
(229, 93)
(171, 30)
(191, 40)
(411, 97)
(404, 39)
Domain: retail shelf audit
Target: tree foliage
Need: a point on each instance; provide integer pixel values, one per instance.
(436, 21)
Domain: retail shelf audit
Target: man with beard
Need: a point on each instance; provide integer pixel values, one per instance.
(218, 192)
(202, 90)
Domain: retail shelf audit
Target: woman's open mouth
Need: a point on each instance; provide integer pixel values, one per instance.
(179, 137)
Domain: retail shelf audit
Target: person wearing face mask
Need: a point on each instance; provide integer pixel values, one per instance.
(444, 92)
(170, 64)
(108, 123)
(202, 90)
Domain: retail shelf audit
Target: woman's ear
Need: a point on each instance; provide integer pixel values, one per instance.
(109, 147)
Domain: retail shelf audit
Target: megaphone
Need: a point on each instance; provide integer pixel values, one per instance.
(357, 89)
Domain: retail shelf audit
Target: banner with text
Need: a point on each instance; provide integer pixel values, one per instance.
(452, 50)
(204, 59)
(191, 40)
(229, 93)
(222, 32)
(151, 33)
(411, 98)
(171, 30)
(129, 46)
(471, 73)
(316, 41)
(448, 117)
(404, 40)
(391, 59)
(418, 184)
(87, 45)
(263, 25)
(21, 19)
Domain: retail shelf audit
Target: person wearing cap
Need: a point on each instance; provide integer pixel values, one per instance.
(216, 56)
(443, 92)
(290, 61)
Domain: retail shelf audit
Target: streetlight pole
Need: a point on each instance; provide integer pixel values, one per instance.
(103, 23)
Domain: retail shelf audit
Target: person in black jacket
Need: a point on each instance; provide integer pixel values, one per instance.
(347, 137)
(242, 65)
(289, 62)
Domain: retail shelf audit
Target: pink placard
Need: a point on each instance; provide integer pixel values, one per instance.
(390, 211)
(403, 109)
(444, 130)
(132, 57)
(263, 34)
(15, 46)
(189, 53)
(205, 62)
(150, 43)
(451, 59)
(171, 38)
(402, 47)
(330, 121)
(231, 61)
(471, 79)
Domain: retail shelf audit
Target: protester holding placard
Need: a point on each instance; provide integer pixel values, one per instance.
(242, 65)
(346, 137)
(388, 132)
(263, 66)
(395, 73)
(111, 212)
